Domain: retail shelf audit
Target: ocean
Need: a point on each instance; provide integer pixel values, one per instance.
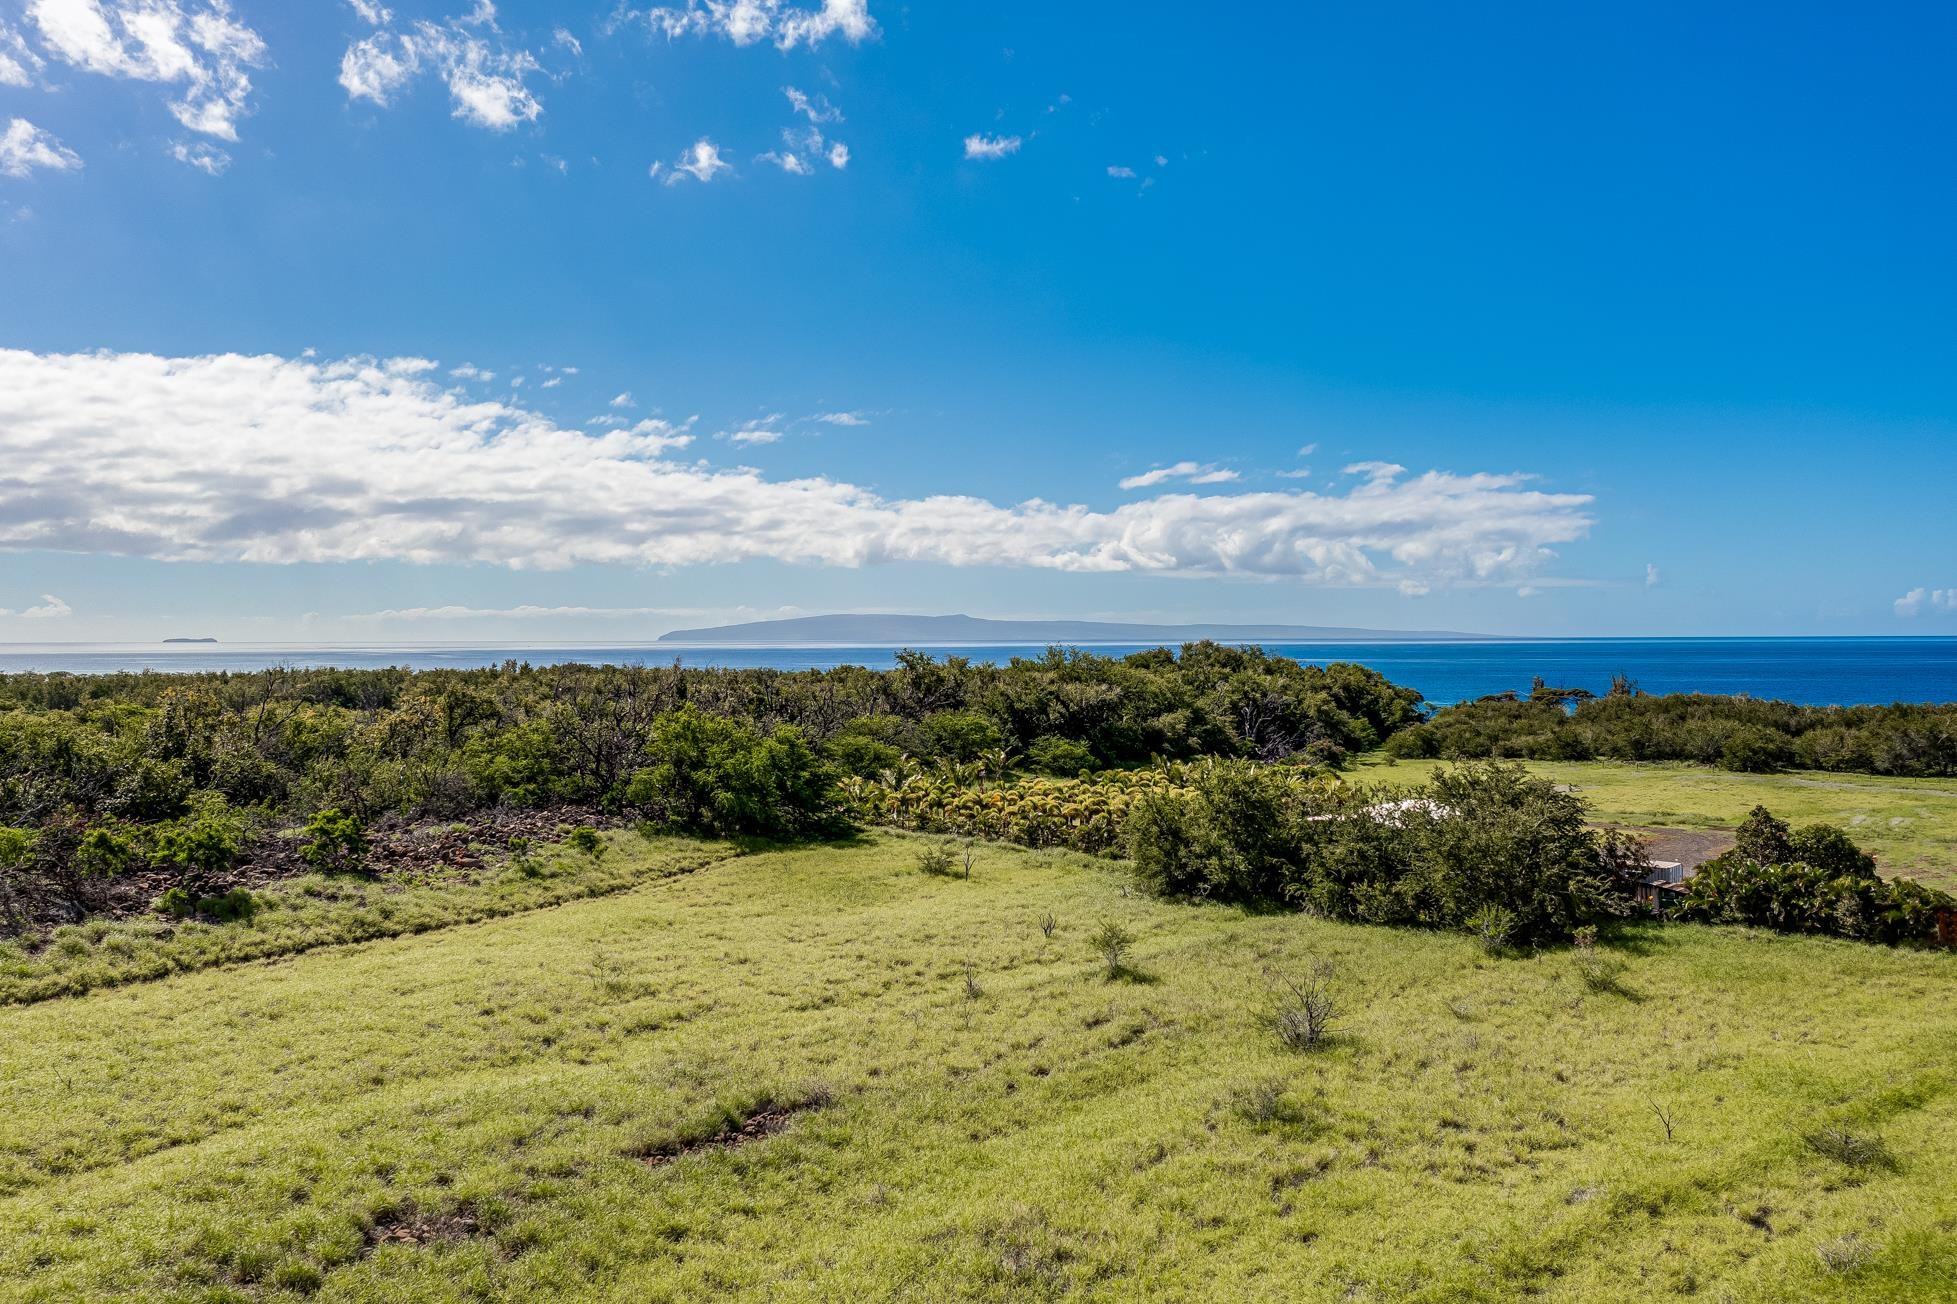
(1812, 671)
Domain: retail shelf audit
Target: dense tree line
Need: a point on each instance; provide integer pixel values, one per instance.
(99, 773)
(1734, 733)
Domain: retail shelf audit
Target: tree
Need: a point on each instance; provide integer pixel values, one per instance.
(717, 775)
(1763, 839)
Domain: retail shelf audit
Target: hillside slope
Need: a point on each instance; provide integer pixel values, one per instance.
(820, 1074)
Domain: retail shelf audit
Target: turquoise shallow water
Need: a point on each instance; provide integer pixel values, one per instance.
(1815, 671)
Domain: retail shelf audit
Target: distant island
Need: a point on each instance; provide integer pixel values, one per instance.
(870, 630)
(190, 640)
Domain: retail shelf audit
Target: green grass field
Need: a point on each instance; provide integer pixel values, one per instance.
(819, 1074)
(1909, 825)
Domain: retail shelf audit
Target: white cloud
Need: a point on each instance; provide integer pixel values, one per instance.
(1302, 473)
(801, 148)
(1127, 173)
(977, 146)
(470, 371)
(702, 162)
(552, 383)
(1307, 450)
(818, 109)
(51, 608)
(788, 161)
(202, 155)
(18, 63)
(1651, 576)
(201, 47)
(24, 147)
(563, 37)
(488, 89)
(1161, 161)
(486, 82)
(370, 12)
(277, 460)
(745, 22)
(1917, 600)
(844, 419)
(1375, 470)
(1193, 472)
(761, 430)
(623, 400)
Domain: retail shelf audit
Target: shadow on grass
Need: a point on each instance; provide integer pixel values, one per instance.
(1641, 937)
(1128, 973)
(753, 844)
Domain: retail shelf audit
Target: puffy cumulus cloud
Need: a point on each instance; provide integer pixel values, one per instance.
(51, 608)
(1919, 600)
(199, 46)
(270, 459)
(486, 80)
(843, 419)
(988, 147)
(1194, 472)
(748, 22)
(25, 147)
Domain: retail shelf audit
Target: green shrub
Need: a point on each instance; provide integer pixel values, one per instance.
(335, 842)
(1160, 844)
(1815, 880)
(717, 775)
(1062, 757)
(16, 852)
(202, 846)
(864, 757)
(586, 839)
(104, 853)
(1491, 926)
(960, 735)
(1111, 942)
(936, 860)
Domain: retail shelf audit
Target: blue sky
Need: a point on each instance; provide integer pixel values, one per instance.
(1601, 322)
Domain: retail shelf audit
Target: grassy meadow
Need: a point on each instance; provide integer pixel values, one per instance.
(1908, 825)
(820, 1074)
